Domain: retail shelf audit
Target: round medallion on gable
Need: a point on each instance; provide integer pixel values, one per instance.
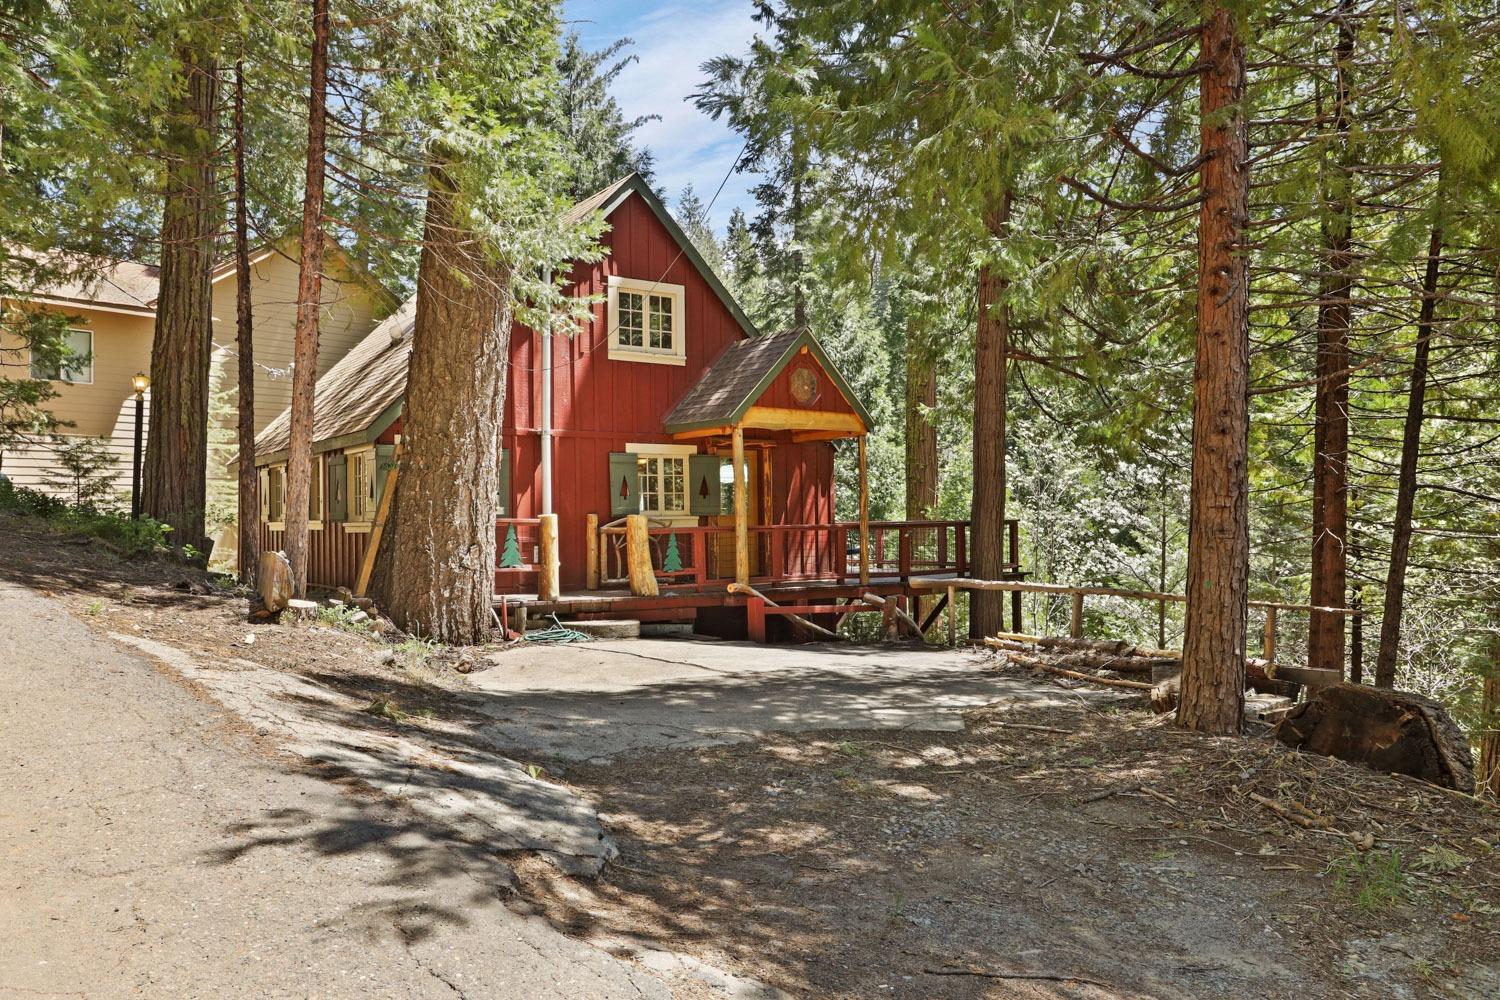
(804, 386)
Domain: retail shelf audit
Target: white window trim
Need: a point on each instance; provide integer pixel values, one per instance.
(357, 526)
(74, 381)
(648, 449)
(653, 355)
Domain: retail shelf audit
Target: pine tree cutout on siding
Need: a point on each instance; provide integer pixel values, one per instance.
(510, 556)
(672, 561)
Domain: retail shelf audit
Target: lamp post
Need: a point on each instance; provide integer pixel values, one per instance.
(140, 382)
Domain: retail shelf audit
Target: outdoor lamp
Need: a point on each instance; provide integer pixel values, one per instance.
(140, 381)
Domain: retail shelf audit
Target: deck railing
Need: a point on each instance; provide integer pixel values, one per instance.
(703, 555)
(525, 534)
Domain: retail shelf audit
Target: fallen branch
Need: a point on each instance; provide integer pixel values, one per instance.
(1035, 663)
(1045, 977)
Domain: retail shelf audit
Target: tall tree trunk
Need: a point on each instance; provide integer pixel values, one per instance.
(174, 482)
(249, 481)
(1406, 478)
(1489, 727)
(987, 517)
(435, 569)
(1325, 641)
(309, 302)
(921, 433)
(1213, 649)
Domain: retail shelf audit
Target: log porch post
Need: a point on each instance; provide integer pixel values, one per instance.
(864, 517)
(741, 520)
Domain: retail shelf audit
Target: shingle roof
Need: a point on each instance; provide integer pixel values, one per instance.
(353, 394)
(101, 281)
(370, 381)
(736, 380)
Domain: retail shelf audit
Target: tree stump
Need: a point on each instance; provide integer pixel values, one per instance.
(273, 579)
(1390, 731)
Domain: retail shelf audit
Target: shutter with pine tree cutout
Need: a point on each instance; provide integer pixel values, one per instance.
(502, 486)
(338, 488)
(624, 484)
(703, 485)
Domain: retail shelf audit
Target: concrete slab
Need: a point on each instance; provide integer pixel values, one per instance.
(596, 700)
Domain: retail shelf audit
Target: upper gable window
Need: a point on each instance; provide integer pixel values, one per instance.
(645, 321)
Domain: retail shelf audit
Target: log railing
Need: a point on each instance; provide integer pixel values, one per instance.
(703, 555)
(1077, 595)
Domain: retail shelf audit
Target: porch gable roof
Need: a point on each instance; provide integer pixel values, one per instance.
(730, 387)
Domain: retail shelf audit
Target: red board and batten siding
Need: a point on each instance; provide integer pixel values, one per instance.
(600, 405)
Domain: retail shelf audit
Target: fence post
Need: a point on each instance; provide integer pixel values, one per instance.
(591, 553)
(903, 553)
(755, 619)
(547, 572)
(1013, 529)
(1075, 625)
(1268, 645)
(952, 616)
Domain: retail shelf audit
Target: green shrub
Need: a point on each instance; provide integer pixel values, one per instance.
(117, 531)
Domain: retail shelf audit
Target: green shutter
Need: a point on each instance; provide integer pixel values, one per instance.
(502, 498)
(385, 461)
(337, 488)
(703, 485)
(624, 484)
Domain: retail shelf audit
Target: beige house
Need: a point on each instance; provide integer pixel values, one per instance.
(115, 310)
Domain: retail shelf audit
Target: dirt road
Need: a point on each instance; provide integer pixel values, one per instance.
(150, 846)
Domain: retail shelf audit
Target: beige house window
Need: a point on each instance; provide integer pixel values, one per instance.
(645, 319)
(78, 367)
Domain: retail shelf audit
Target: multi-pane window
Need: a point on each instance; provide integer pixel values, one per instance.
(646, 321)
(276, 493)
(663, 484)
(315, 491)
(77, 363)
(660, 314)
(361, 486)
(631, 319)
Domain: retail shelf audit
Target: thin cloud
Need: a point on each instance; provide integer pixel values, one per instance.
(672, 41)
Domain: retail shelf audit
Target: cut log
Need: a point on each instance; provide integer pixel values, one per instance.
(1388, 731)
(273, 579)
(1037, 663)
(1165, 694)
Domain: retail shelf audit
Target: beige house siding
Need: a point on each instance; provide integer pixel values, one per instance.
(350, 310)
(122, 346)
(103, 408)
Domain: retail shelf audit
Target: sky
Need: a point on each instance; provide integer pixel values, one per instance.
(673, 38)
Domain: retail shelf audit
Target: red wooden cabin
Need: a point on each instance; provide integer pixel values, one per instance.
(644, 409)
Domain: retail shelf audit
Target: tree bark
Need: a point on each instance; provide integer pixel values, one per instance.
(921, 433)
(1406, 478)
(174, 478)
(249, 481)
(1325, 641)
(435, 571)
(309, 301)
(1213, 665)
(987, 517)
(1489, 727)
